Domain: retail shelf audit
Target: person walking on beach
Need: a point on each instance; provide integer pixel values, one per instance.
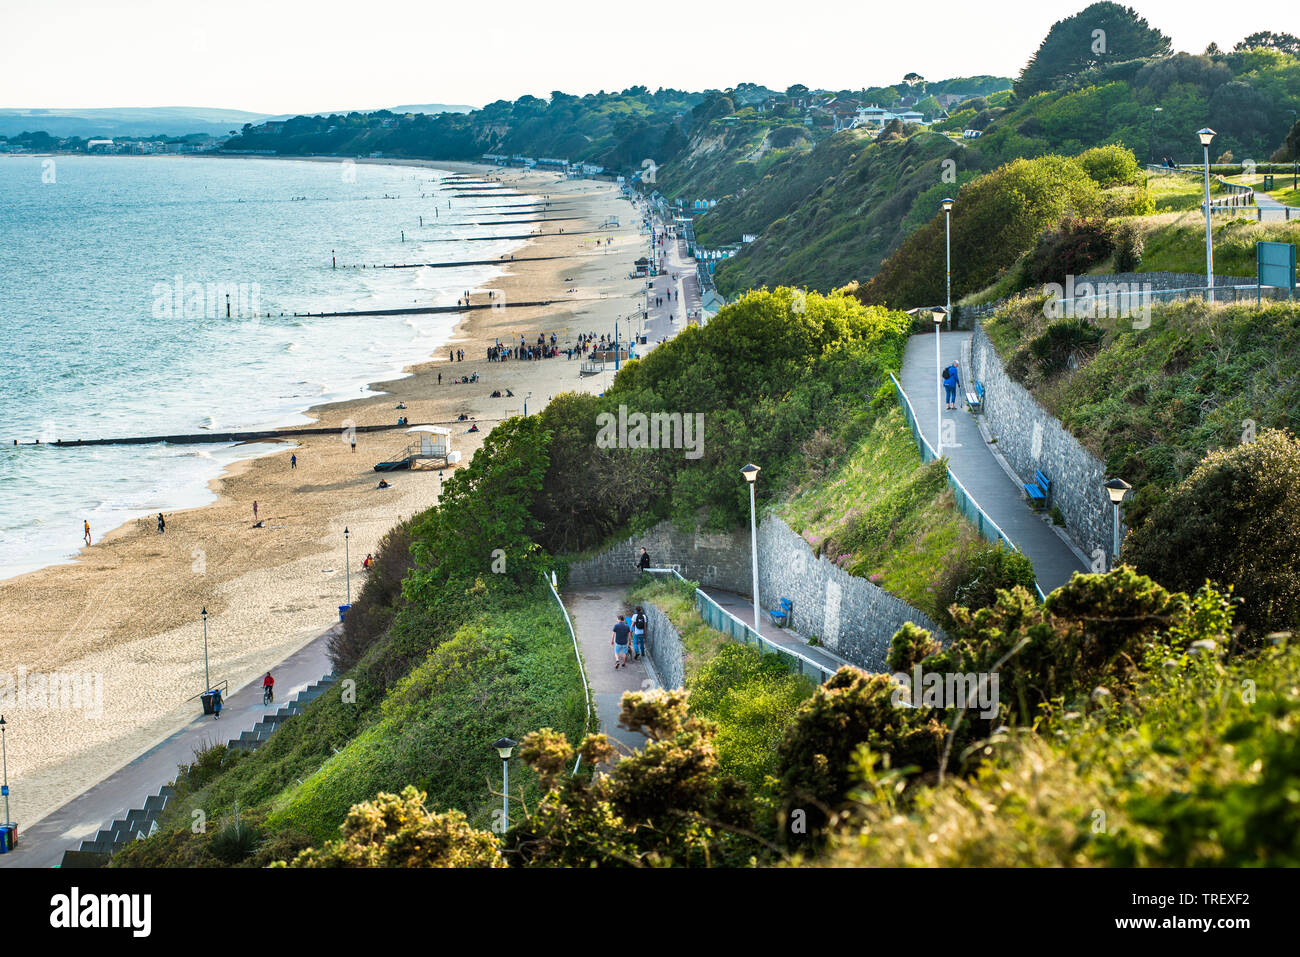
(162, 524)
(86, 524)
(255, 510)
(293, 461)
(951, 379)
(639, 624)
(618, 641)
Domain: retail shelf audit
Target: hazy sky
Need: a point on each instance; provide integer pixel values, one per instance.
(287, 56)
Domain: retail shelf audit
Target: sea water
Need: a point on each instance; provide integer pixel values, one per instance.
(103, 331)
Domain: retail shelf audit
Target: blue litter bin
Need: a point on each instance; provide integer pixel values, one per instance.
(343, 611)
(8, 837)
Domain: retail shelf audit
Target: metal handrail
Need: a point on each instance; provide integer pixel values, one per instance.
(586, 685)
(758, 639)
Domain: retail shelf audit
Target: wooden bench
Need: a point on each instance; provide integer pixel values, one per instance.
(1039, 491)
(781, 616)
(975, 400)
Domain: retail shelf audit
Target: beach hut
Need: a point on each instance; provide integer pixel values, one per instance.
(435, 443)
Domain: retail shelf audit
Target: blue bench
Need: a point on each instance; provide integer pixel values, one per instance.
(781, 616)
(1039, 490)
(975, 400)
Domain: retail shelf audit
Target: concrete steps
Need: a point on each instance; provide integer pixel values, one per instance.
(138, 823)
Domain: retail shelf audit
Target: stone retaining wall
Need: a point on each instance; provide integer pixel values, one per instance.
(854, 618)
(664, 645)
(720, 559)
(1029, 438)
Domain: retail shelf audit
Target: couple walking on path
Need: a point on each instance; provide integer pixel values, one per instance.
(630, 626)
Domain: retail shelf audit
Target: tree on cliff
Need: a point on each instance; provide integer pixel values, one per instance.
(1101, 33)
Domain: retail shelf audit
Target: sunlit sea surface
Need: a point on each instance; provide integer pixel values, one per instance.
(96, 342)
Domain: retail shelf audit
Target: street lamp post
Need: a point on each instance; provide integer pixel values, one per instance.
(207, 681)
(947, 254)
(1206, 135)
(751, 478)
(938, 405)
(4, 758)
(526, 405)
(505, 747)
(347, 563)
(1295, 151)
(947, 205)
(1116, 489)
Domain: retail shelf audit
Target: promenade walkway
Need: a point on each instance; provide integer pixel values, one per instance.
(742, 607)
(42, 844)
(593, 612)
(973, 463)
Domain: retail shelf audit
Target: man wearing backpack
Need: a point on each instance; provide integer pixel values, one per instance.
(639, 623)
(951, 379)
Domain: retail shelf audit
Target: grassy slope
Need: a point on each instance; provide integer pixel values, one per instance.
(1175, 242)
(509, 671)
(843, 229)
(891, 516)
(723, 159)
(1152, 402)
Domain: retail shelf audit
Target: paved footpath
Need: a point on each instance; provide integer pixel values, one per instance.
(42, 844)
(594, 611)
(975, 466)
(742, 607)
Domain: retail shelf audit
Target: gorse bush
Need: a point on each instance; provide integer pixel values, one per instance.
(666, 804)
(399, 831)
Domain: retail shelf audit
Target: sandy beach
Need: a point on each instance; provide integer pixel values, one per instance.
(126, 613)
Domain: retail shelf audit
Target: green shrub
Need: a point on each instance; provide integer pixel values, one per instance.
(1071, 248)
(976, 575)
(850, 709)
(997, 218)
(235, 840)
(1235, 521)
(1128, 247)
(1111, 166)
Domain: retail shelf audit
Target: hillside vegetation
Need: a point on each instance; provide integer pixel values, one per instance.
(836, 212)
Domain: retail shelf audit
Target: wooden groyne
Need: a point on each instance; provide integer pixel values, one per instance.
(430, 310)
(211, 438)
(470, 262)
